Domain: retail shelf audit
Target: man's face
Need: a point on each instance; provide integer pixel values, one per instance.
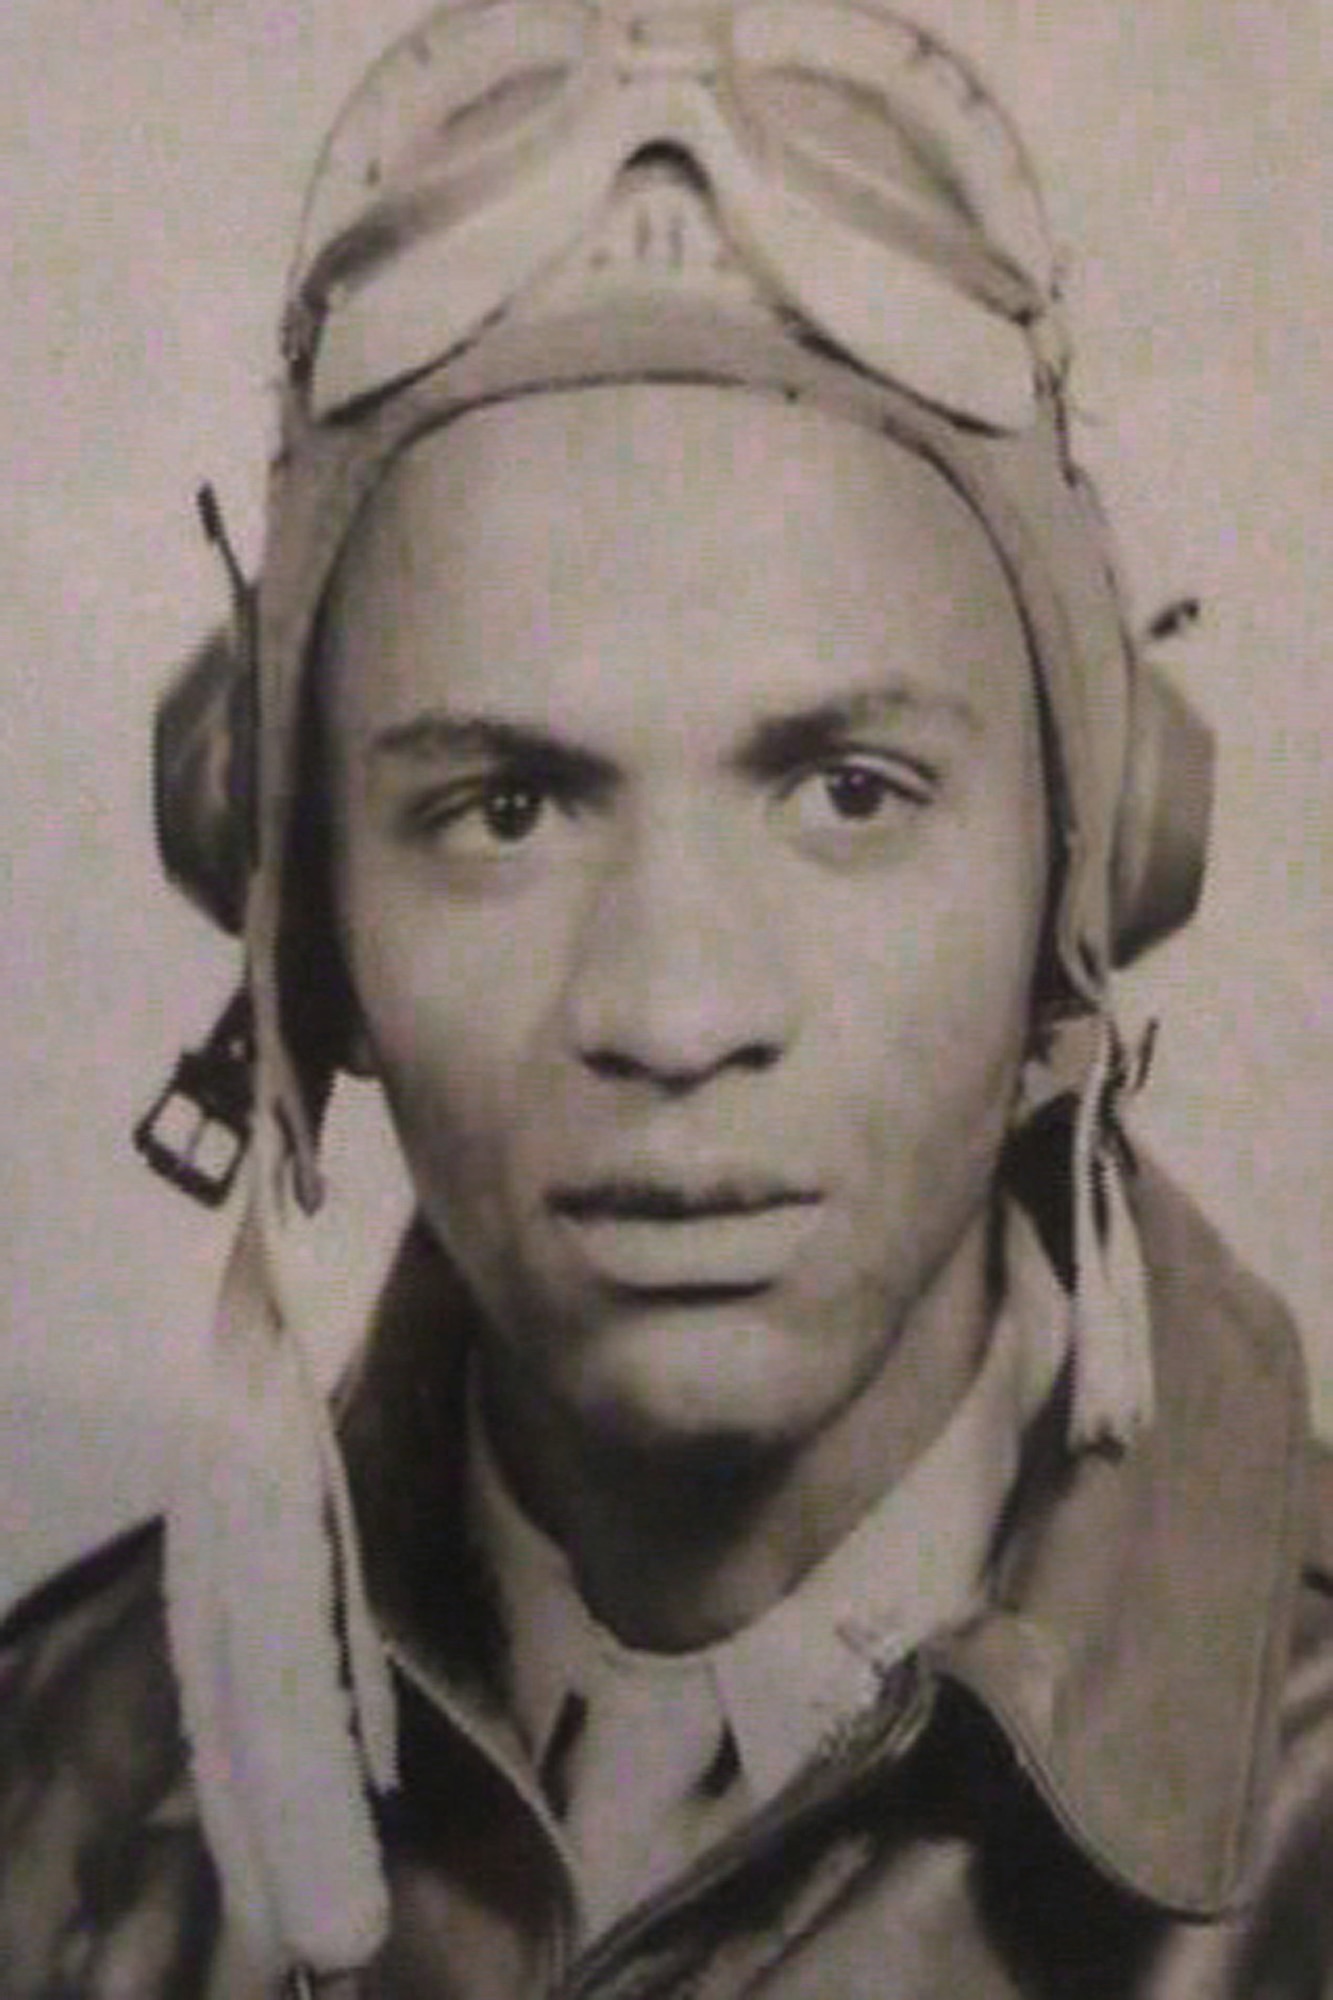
(690, 868)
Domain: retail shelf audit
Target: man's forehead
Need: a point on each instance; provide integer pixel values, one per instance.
(608, 563)
(687, 499)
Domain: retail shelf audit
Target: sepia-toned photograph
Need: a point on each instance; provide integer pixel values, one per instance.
(669, 996)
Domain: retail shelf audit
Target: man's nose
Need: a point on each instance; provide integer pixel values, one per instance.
(681, 971)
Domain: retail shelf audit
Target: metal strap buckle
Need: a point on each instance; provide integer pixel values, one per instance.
(197, 1130)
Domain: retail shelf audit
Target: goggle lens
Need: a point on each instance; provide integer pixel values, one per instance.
(872, 178)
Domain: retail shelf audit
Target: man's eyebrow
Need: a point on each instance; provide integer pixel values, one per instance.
(439, 737)
(776, 744)
(782, 743)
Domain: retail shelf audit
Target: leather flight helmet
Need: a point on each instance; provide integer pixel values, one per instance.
(808, 198)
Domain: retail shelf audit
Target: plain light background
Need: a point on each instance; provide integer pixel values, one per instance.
(152, 157)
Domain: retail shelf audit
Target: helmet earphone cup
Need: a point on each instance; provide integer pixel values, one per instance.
(203, 777)
(199, 784)
(1164, 818)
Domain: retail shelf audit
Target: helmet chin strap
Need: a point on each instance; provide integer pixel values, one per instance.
(1086, 1062)
(1113, 1391)
(286, 1693)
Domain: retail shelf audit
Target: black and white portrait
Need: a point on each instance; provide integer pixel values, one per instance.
(668, 1029)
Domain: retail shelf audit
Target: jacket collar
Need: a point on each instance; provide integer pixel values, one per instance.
(1135, 1647)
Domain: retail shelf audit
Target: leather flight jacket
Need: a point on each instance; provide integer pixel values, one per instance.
(1117, 1781)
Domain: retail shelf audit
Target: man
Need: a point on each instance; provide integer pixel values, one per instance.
(814, 1515)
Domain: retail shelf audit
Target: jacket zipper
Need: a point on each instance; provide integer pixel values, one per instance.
(834, 1783)
(527, 1795)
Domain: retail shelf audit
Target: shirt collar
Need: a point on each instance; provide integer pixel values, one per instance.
(797, 1678)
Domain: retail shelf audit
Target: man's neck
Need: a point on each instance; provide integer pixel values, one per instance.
(680, 1546)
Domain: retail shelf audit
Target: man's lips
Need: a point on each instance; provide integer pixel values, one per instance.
(661, 1237)
(635, 1199)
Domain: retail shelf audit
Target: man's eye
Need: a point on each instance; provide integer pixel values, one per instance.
(481, 817)
(512, 811)
(852, 793)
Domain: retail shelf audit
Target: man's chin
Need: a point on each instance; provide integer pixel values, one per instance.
(701, 1382)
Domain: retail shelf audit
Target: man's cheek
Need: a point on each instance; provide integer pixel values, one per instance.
(438, 1120)
(927, 1140)
(462, 1138)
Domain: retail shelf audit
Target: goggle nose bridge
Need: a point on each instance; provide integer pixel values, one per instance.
(664, 37)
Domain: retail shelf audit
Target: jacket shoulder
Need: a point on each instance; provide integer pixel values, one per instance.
(39, 1610)
(1188, 1258)
(94, 1631)
(1319, 1542)
(1199, 1286)
(104, 1881)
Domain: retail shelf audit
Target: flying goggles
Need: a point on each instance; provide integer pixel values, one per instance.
(861, 171)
